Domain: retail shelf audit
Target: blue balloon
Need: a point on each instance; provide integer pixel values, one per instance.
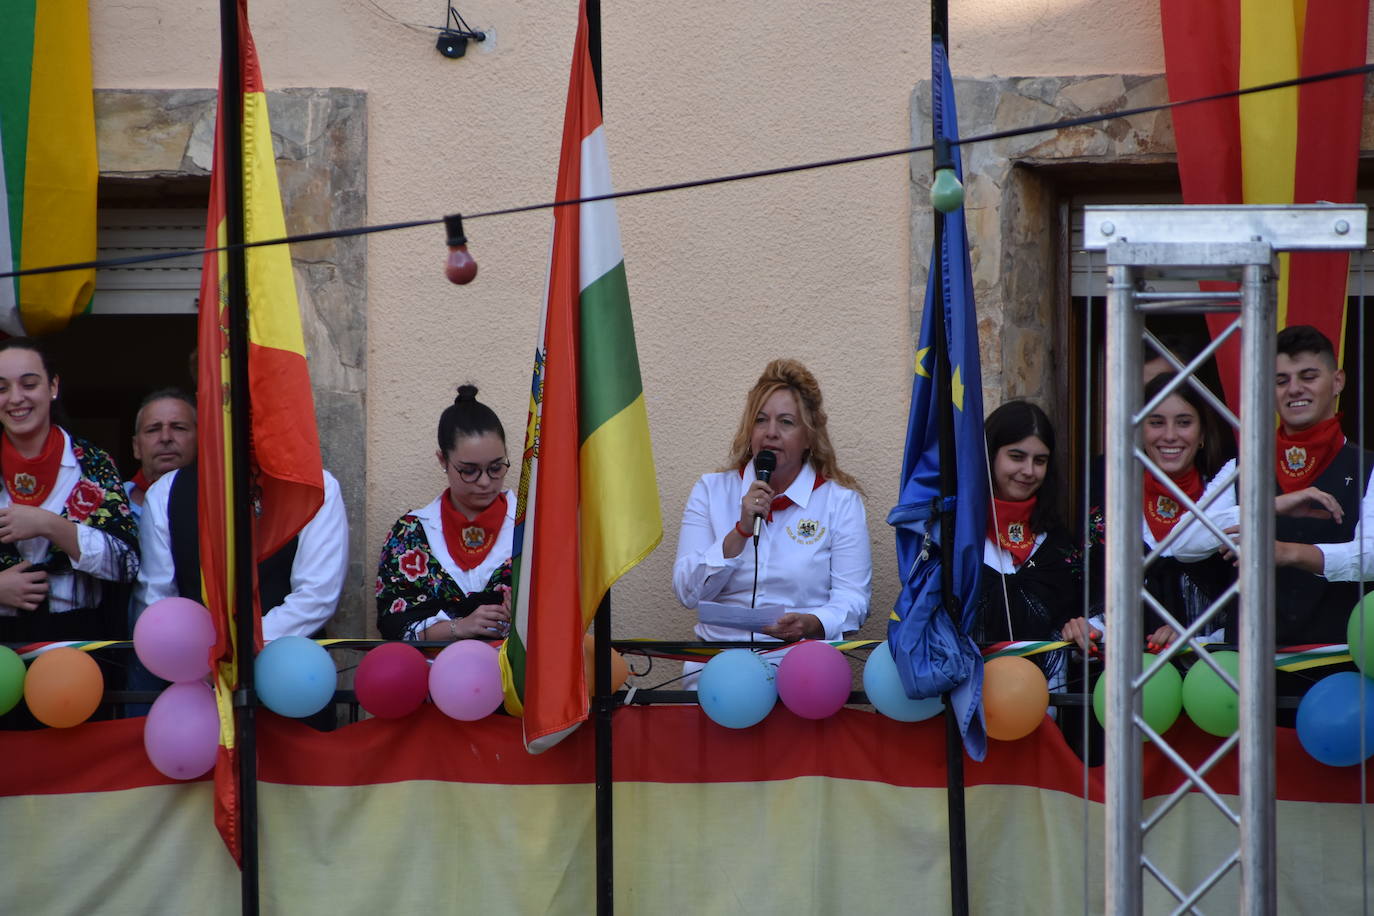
(884, 687)
(736, 689)
(295, 677)
(1329, 719)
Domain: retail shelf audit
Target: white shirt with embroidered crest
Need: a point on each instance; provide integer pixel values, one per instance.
(814, 557)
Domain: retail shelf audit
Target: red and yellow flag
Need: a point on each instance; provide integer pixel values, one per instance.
(588, 506)
(1298, 145)
(288, 482)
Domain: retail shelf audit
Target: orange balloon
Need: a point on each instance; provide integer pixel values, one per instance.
(619, 669)
(1015, 697)
(63, 687)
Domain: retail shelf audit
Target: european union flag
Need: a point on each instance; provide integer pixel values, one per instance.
(934, 656)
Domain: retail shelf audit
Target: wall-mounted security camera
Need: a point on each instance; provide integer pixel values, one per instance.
(454, 36)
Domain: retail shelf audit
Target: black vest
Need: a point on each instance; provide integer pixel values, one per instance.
(1307, 607)
(274, 573)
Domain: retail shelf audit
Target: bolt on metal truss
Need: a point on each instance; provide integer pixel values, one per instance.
(1225, 243)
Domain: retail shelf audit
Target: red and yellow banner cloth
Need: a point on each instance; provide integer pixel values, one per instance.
(588, 508)
(288, 480)
(1298, 145)
(846, 814)
(48, 167)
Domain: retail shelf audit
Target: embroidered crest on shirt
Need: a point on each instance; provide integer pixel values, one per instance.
(1016, 534)
(25, 484)
(474, 537)
(1165, 508)
(1296, 458)
(807, 531)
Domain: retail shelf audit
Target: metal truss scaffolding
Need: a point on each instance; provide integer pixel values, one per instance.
(1237, 245)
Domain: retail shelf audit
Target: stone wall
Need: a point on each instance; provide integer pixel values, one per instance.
(160, 141)
(1012, 208)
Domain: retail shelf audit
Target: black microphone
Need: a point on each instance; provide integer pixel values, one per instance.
(764, 463)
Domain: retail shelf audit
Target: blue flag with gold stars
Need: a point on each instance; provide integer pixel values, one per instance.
(933, 655)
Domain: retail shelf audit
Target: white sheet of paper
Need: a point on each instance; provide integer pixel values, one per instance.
(738, 616)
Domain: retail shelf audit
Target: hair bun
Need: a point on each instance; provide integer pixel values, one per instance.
(466, 393)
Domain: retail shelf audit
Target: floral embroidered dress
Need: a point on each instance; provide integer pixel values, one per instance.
(88, 491)
(418, 582)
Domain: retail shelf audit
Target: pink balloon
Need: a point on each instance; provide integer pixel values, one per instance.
(392, 680)
(173, 638)
(813, 680)
(465, 680)
(181, 735)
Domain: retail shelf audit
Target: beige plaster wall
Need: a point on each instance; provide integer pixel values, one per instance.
(813, 265)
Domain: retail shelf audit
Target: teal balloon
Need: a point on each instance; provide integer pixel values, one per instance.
(884, 687)
(294, 677)
(1209, 701)
(1161, 701)
(736, 689)
(11, 679)
(1359, 633)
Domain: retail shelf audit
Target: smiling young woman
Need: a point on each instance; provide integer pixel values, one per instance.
(445, 568)
(66, 532)
(1184, 439)
(1031, 584)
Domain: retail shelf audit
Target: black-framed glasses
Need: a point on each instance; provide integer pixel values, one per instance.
(471, 473)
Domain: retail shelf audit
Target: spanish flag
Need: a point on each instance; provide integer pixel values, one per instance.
(1298, 145)
(288, 481)
(48, 179)
(588, 506)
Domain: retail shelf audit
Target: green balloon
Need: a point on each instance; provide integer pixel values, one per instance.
(1161, 700)
(1362, 650)
(11, 679)
(1210, 702)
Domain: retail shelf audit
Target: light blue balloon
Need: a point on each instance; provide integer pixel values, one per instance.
(883, 685)
(295, 677)
(736, 689)
(1329, 719)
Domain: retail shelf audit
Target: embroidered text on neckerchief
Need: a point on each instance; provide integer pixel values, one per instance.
(30, 480)
(1009, 524)
(1303, 455)
(470, 540)
(1162, 511)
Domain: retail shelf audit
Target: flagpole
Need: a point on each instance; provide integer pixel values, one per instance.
(231, 84)
(602, 701)
(954, 745)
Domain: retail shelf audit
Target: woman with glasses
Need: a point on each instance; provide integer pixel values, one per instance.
(445, 568)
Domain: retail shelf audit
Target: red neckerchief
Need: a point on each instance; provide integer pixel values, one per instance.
(140, 481)
(1009, 524)
(1162, 511)
(30, 480)
(469, 541)
(783, 501)
(1304, 455)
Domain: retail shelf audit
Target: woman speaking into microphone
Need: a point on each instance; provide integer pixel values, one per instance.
(782, 554)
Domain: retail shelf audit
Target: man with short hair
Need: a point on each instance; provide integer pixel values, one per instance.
(1324, 550)
(164, 440)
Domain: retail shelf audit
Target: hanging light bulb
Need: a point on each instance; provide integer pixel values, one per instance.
(946, 191)
(460, 268)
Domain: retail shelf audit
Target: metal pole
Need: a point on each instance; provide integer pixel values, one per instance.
(603, 704)
(231, 112)
(1124, 573)
(1256, 499)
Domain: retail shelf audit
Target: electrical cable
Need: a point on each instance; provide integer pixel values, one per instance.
(702, 182)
